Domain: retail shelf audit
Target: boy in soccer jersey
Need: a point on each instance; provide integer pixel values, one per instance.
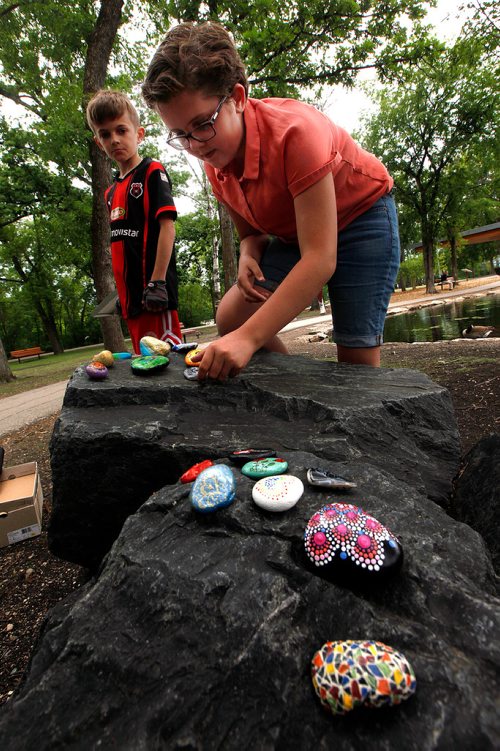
(142, 214)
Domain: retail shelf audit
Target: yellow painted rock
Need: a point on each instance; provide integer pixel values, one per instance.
(150, 345)
(106, 357)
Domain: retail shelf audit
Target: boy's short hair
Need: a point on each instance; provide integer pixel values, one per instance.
(107, 104)
(196, 57)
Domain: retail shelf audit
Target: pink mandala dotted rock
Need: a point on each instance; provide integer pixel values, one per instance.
(342, 538)
(350, 674)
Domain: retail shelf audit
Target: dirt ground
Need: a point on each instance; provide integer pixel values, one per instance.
(32, 580)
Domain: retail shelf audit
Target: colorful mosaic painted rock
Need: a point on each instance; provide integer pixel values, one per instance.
(350, 674)
(121, 355)
(192, 473)
(242, 456)
(96, 371)
(150, 345)
(342, 538)
(264, 467)
(148, 364)
(106, 357)
(322, 478)
(277, 493)
(191, 373)
(213, 489)
(188, 359)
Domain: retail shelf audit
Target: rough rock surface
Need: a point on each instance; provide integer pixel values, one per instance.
(476, 496)
(118, 441)
(197, 631)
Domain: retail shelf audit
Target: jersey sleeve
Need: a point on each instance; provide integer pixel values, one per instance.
(160, 194)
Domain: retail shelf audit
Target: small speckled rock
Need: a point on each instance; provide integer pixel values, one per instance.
(213, 489)
(350, 674)
(264, 468)
(96, 371)
(148, 364)
(343, 539)
(106, 357)
(277, 493)
(191, 373)
(150, 345)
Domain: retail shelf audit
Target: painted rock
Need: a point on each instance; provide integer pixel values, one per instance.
(121, 355)
(214, 488)
(150, 345)
(242, 456)
(322, 478)
(184, 346)
(188, 359)
(277, 493)
(192, 473)
(264, 467)
(106, 357)
(191, 373)
(343, 539)
(148, 364)
(96, 371)
(350, 674)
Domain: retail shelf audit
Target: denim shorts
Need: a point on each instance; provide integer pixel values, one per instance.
(368, 255)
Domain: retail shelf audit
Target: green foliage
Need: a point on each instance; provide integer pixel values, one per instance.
(195, 304)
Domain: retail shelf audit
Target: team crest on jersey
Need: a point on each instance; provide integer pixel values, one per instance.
(136, 190)
(117, 213)
(164, 177)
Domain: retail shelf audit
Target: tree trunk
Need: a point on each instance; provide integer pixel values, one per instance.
(453, 256)
(428, 257)
(96, 65)
(228, 251)
(6, 373)
(49, 325)
(216, 289)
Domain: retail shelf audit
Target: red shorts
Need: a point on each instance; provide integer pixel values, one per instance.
(164, 326)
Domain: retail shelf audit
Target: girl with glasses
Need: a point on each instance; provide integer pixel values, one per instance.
(311, 206)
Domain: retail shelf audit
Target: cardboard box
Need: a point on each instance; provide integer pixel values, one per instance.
(21, 503)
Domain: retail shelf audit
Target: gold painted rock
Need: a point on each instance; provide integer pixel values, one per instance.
(150, 345)
(106, 357)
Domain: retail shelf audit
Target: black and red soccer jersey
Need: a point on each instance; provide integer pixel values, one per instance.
(135, 203)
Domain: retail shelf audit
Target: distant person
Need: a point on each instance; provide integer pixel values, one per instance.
(444, 276)
(142, 214)
(311, 206)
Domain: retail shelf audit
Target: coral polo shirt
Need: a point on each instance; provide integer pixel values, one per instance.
(290, 146)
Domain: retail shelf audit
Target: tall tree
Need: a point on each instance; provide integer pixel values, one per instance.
(431, 120)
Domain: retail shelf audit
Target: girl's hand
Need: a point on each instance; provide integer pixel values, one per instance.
(248, 271)
(225, 358)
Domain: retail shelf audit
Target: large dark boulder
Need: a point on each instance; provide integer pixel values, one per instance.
(118, 441)
(476, 496)
(199, 630)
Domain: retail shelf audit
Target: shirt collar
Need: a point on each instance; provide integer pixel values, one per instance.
(252, 145)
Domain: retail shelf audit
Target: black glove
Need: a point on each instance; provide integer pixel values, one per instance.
(155, 296)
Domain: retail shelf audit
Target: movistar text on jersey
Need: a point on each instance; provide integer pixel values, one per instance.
(124, 233)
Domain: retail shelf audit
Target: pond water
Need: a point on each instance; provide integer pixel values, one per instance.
(438, 322)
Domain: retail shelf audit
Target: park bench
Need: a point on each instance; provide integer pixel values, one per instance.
(30, 352)
(186, 332)
(451, 282)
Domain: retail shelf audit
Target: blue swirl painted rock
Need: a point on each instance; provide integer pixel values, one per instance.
(343, 539)
(350, 674)
(213, 489)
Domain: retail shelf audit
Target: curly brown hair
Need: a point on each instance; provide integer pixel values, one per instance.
(107, 104)
(199, 57)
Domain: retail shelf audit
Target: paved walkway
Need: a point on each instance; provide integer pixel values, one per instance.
(30, 406)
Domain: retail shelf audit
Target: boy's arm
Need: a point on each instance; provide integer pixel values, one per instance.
(155, 296)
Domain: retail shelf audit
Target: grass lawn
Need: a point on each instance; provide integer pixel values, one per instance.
(31, 373)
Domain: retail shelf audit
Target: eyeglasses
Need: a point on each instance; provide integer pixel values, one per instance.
(203, 132)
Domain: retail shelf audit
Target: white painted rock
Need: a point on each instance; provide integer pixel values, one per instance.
(278, 492)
